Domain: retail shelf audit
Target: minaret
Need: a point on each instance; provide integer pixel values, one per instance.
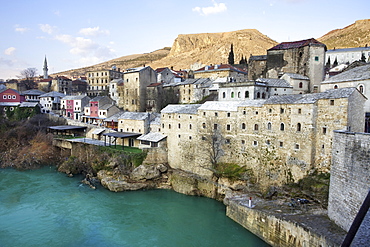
(46, 69)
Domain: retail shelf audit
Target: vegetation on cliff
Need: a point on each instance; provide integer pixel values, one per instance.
(25, 142)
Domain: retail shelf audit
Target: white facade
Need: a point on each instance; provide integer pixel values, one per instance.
(348, 55)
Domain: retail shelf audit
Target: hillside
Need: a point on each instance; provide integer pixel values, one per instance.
(130, 61)
(214, 48)
(354, 35)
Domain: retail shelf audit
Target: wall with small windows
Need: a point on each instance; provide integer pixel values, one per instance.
(280, 142)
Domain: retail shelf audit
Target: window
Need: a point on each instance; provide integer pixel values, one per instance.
(203, 138)
(335, 86)
(256, 112)
(269, 126)
(169, 126)
(268, 142)
(243, 126)
(255, 143)
(361, 88)
(179, 136)
(281, 144)
(298, 126)
(232, 94)
(299, 111)
(316, 58)
(179, 126)
(296, 146)
(281, 110)
(244, 112)
(246, 94)
(331, 102)
(4, 97)
(258, 95)
(243, 142)
(228, 114)
(282, 126)
(189, 137)
(216, 114)
(204, 125)
(13, 96)
(223, 95)
(215, 126)
(256, 127)
(190, 126)
(324, 130)
(227, 141)
(228, 127)
(238, 94)
(204, 113)
(300, 85)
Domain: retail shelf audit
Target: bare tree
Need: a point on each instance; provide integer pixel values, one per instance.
(28, 76)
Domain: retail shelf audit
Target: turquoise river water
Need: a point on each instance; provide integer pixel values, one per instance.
(46, 208)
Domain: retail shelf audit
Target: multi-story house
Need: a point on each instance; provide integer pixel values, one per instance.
(51, 102)
(232, 73)
(73, 106)
(91, 111)
(304, 57)
(134, 89)
(280, 139)
(32, 95)
(10, 97)
(347, 55)
(300, 83)
(98, 81)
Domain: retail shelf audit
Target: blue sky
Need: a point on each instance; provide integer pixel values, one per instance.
(78, 33)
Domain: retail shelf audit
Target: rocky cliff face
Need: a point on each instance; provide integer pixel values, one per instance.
(354, 35)
(214, 48)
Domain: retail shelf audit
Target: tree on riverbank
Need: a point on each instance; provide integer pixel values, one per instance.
(25, 144)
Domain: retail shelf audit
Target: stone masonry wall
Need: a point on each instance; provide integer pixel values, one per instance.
(350, 176)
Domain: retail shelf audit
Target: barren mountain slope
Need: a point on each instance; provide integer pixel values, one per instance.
(355, 35)
(214, 48)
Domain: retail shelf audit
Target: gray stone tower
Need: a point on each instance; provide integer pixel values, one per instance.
(45, 69)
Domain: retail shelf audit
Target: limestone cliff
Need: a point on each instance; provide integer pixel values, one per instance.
(214, 48)
(354, 35)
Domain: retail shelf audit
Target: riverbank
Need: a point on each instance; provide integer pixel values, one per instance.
(278, 222)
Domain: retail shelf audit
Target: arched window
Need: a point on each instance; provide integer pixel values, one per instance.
(243, 126)
(335, 86)
(238, 94)
(300, 85)
(204, 125)
(299, 126)
(269, 126)
(189, 126)
(246, 94)
(223, 95)
(232, 94)
(256, 127)
(361, 88)
(282, 126)
(263, 95)
(258, 95)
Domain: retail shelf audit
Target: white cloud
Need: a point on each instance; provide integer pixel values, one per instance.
(9, 51)
(21, 29)
(93, 31)
(216, 8)
(46, 28)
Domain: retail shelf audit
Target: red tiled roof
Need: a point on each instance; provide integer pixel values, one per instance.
(46, 80)
(159, 70)
(221, 67)
(155, 84)
(296, 44)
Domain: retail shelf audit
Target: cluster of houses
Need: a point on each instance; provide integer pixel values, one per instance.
(285, 100)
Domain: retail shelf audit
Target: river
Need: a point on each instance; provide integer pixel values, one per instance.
(46, 208)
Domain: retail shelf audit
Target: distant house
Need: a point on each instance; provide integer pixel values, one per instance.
(79, 87)
(50, 101)
(98, 80)
(32, 95)
(135, 85)
(10, 97)
(73, 106)
(94, 112)
(300, 83)
(358, 77)
(347, 55)
(303, 57)
(213, 72)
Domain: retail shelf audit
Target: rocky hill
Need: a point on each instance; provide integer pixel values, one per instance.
(354, 35)
(130, 61)
(214, 48)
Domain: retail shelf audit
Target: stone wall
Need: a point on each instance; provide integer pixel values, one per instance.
(279, 231)
(350, 176)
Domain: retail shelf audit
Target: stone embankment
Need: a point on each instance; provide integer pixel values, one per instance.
(278, 222)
